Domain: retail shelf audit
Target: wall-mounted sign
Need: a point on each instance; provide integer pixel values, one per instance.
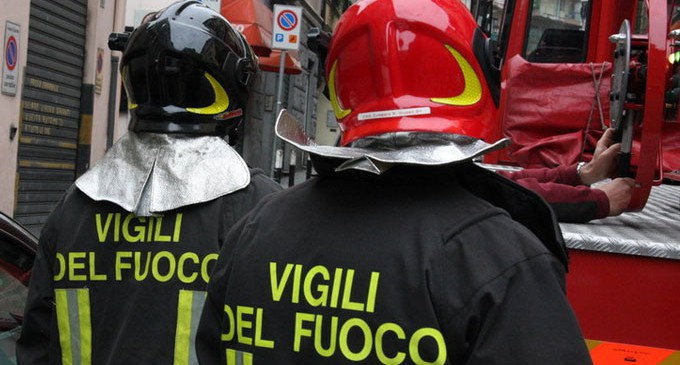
(10, 71)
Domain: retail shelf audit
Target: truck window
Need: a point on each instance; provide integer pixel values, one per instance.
(641, 23)
(557, 31)
(674, 15)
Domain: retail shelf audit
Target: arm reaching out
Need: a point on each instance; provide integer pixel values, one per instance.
(603, 164)
(619, 191)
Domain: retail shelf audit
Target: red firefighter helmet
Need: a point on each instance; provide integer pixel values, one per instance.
(409, 66)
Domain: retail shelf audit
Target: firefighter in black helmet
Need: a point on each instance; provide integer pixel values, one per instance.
(186, 70)
(124, 257)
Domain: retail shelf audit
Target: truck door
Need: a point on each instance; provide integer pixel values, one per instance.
(556, 62)
(550, 95)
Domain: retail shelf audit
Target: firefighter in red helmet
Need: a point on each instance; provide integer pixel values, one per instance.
(402, 251)
(125, 256)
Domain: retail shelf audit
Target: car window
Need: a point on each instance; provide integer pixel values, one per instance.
(15, 264)
(12, 299)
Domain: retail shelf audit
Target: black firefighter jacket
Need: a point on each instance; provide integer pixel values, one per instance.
(420, 265)
(111, 288)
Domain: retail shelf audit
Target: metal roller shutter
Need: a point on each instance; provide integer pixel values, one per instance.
(51, 108)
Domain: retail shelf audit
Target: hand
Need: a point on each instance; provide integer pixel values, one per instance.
(603, 164)
(619, 191)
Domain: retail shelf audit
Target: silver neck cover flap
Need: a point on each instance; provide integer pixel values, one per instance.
(378, 153)
(150, 173)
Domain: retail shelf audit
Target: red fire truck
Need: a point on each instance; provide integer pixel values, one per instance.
(569, 69)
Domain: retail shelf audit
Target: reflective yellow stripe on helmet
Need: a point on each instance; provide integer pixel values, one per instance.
(130, 104)
(473, 88)
(339, 111)
(221, 99)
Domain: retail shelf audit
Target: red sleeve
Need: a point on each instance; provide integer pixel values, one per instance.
(561, 174)
(561, 187)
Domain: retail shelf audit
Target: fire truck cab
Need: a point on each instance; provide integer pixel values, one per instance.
(567, 70)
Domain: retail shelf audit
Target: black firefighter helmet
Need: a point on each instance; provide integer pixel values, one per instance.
(186, 69)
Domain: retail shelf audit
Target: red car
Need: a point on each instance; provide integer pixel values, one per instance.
(17, 252)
